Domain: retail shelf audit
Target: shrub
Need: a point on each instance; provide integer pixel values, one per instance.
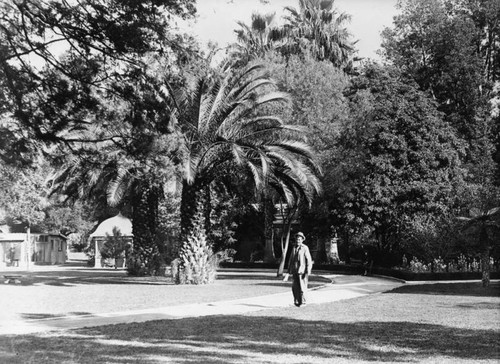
(114, 246)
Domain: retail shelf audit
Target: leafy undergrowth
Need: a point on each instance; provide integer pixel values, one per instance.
(444, 323)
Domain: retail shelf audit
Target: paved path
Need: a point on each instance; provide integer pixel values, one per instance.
(341, 287)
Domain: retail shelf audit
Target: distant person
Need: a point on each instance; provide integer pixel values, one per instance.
(299, 267)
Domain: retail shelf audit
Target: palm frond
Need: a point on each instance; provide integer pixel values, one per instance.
(117, 187)
(256, 174)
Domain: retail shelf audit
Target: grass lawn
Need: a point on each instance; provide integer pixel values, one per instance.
(435, 323)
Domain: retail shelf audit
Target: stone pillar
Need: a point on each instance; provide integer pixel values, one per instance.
(332, 251)
(97, 260)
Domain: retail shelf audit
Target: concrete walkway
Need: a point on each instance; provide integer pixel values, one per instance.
(341, 287)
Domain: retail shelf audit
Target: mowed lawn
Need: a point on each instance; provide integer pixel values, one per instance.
(434, 323)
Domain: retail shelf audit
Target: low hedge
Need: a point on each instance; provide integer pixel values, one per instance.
(358, 269)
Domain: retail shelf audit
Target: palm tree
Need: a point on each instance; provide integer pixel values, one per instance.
(296, 188)
(231, 127)
(255, 40)
(125, 165)
(319, 28)
(118, 180)
(483, 222)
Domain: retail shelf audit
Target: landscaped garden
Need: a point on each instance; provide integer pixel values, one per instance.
(216, 155)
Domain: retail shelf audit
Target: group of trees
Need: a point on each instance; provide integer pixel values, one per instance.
(128, 115)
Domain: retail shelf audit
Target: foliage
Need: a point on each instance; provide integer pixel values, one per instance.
(320, 107)
(426, 236)
(255, 40)
(234, 133)
(60, 60)
(96, 101)
(487, 225)
(317, 28)
(67, 219)
(114, 246)
(169, 225)
(397, 159)
(450, 48)
(223, 225)
(23, 199)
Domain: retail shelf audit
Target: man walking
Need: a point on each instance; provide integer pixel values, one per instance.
(299, 267)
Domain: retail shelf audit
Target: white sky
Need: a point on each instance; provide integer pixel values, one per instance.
(217, 19)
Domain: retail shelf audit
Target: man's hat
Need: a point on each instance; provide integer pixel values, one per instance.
(301, 235)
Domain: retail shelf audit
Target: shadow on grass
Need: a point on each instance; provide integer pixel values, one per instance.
(229, 339)
(41, 316)
(456, 289)
(75, 277)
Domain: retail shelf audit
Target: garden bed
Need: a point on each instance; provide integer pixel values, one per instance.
(358, 269)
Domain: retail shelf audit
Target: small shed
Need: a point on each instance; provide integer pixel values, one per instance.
(13, 249)
(43, 248)
(50, 248)
(105, 229)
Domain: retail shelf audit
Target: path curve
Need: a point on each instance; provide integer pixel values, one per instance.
(334, 288)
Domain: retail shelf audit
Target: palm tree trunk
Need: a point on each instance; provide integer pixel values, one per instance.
(145, 257)
(196, 261)
(192, 210)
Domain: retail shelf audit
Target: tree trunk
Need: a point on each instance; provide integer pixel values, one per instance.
(268, 210)
(196, 263)
(285, 238)
(485, 256)
(192, 210)
(285, 243)
(145, 257)
(347, 246)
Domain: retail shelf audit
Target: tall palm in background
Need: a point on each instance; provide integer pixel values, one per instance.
(232, 129)
(255, 40)
(317, 27)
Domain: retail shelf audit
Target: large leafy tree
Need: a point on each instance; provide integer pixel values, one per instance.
(233, 130)
(59, 59)
(450, 48)
(83, 78)
(23, 199)
(397, 158)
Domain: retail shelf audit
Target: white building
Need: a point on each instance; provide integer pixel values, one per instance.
(106, 229)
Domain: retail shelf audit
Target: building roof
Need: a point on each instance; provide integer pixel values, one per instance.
(122, 223)
(12, 237)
